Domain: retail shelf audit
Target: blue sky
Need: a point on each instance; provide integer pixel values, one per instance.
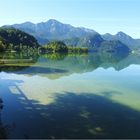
(101, 15)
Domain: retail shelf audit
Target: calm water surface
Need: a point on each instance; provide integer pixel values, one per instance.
(75, 96)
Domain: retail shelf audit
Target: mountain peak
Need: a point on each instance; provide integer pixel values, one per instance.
(53, 21)
(28, 23)
(107, 34)
(121, 34)
(124, 38)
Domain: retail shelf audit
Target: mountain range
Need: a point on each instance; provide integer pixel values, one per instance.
(73, 36)
(124, 38)
(52, 30)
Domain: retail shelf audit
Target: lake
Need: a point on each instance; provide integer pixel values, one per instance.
(69, 96)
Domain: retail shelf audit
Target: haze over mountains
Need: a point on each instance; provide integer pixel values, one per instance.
(74, 36)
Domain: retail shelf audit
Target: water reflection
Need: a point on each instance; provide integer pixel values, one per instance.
(45, 98)
(71, 115)
(3, 129)
(62, 64)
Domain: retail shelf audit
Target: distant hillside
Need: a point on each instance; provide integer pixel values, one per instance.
(97, 43)
(113, 46)
(86, 41)
(124, 38)
(93, 41)
(14, 39)
(52, 30)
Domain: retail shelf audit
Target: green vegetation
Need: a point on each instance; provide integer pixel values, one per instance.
(15, 40)
(56, 47)
(60, 47)
(2, 44)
